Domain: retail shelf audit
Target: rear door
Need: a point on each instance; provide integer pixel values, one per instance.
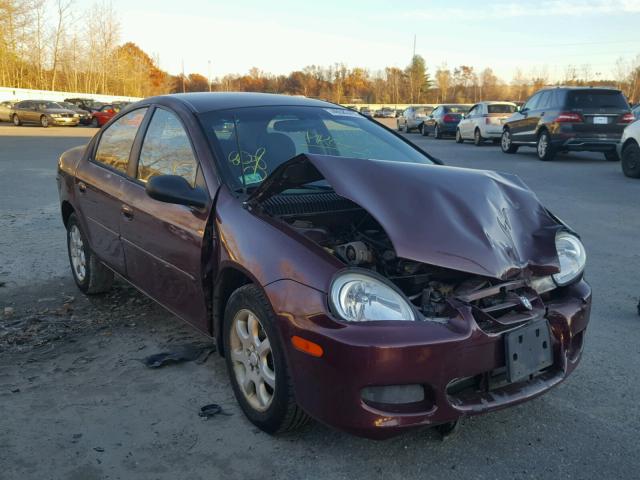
(100, 184)
(164, 242)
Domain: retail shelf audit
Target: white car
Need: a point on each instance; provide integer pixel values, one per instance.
(484, 122)
(629, 150)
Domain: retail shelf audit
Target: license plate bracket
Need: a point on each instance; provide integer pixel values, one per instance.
(528, 350)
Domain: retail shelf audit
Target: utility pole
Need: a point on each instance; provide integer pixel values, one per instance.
(183, 90)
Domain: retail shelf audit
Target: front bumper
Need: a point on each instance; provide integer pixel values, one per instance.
(65, 121)
(448, 128)
(435, 356)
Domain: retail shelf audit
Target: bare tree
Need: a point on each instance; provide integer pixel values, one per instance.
(63, 8)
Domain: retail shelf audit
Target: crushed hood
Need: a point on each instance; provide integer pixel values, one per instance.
(476, 221)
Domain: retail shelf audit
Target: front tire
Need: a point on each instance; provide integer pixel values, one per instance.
(506, 143)
(631, 161)
(459, 138)
(44, 121)
(256, 363)
(544, 149)
(94, 123)
(90, 275)
(16, 120)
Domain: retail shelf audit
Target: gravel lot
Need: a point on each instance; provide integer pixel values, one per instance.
(77, 403)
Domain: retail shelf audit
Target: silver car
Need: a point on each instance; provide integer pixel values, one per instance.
(629, 150)
(413, 117)
(44, 113)
(484, 122)
(5, 110)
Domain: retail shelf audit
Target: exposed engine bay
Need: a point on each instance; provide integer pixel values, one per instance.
(350, 233)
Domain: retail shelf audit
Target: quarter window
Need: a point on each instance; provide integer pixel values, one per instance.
(166, 149)
(116, 141)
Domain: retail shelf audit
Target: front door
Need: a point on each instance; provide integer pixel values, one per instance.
(99, 187)
(163, 242)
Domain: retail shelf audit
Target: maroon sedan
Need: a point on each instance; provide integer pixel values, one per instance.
(346, 274)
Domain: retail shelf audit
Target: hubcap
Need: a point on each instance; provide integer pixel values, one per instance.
(16, 120)
(45, 121)
(252, 359)
(506, 141)
(76, 252)
(543, 143)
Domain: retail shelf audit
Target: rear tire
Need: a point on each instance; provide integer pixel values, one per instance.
(506, 143)
(477, 138)
(90, 275)
(631, 161)
(271, 409)
(544, 149)
(94, 123)
(44, 121)
(16, 120)
(436, 132)
(459, 138)
(611, 156)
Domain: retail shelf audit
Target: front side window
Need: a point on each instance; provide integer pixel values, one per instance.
(115, 144)
(252, 142)
(166, 149)
(532, 102)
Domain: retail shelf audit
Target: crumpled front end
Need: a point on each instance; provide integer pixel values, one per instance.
(376, 379)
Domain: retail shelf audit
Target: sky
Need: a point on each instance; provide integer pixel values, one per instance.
(278, 36)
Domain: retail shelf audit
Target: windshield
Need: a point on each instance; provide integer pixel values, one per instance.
(45, 105)
(457, 108)
(424, 110)
(586, 99)
(269, 136)
(501, 108)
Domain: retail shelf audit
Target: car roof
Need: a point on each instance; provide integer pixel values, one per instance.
(200, 102)
(577, 87)
(495, 102)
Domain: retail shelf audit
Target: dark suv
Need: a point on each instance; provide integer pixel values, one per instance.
(565, 119)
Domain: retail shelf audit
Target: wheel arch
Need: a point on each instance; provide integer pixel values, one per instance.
(229, 279)
(66, 209)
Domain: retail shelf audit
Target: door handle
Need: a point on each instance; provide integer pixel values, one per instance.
(82, 187)
(127, 211)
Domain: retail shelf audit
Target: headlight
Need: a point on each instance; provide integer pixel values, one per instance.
(572, 258)
(359, 296)
(75, 115)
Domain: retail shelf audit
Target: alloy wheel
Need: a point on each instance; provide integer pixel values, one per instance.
(77, 253)
(252, 358)
(16, 120)
(543, 145)
(506, 140)
(44, 121)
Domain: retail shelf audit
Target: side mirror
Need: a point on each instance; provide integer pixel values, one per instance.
(175, 189)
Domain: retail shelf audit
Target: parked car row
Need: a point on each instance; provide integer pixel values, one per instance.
(554, 120)
(71, 112)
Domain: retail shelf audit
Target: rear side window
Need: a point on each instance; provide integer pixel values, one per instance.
(116, 141)
(501, 108)
(166, 149)
(587, 99)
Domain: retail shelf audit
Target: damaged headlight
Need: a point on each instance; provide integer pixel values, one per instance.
(572, 258)
(358, 296)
